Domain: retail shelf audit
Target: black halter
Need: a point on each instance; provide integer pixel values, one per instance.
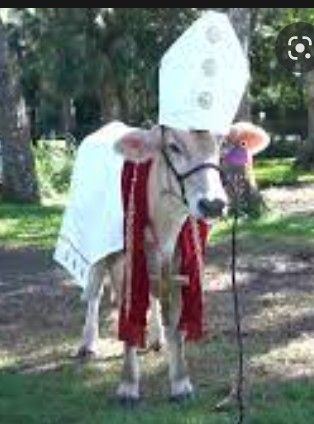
(182, 177)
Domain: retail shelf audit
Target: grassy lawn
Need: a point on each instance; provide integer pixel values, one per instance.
(296, 227)
(65, 397)
(24, 225)
(40, 384)
(279, 172)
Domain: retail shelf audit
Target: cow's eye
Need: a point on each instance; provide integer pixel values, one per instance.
(174, 148)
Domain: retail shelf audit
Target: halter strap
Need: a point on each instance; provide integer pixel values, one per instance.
(181, 177)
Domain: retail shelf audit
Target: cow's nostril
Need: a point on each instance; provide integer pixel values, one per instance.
(211, 208)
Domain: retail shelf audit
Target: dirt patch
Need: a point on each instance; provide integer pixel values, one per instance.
(290, 200)
(34, 300)
(41, 312)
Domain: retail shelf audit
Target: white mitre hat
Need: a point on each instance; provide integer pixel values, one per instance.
(203, 76)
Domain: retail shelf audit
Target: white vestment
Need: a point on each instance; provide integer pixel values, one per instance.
(92, 225)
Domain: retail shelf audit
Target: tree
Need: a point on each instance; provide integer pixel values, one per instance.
(286, 97)
(250, 200)
(92, 63)
(82, 67)
(306, 154)
(309, 88)
(305, 157)
(242, 20)
(19, 181)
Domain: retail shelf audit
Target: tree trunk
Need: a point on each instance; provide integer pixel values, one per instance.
(68, 115)
(250, 200)
(19, 181)
(305, 156)
(109, 102)
(241, 19)
(309, 84)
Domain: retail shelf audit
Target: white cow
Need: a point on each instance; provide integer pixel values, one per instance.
(174, 154)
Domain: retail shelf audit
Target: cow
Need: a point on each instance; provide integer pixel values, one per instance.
(173, 153)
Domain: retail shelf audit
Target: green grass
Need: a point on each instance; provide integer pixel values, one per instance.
(289, 402)
(68, 396)
(85, 394)
(300, 227)
(279, 172)
(24, 225)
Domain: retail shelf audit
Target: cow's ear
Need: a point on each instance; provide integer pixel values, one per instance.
(139, 145)
(250, 136)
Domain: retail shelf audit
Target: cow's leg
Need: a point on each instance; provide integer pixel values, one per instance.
(91, 328)
(128, 390)
(156, 329)
(90, 336)
(180, 384)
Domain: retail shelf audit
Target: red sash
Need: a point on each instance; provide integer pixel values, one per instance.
(133, 311)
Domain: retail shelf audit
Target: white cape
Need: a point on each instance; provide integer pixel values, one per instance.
(92, 224)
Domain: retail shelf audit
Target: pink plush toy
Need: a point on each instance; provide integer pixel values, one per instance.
(248, 140)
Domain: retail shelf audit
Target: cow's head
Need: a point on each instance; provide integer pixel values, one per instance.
(180, 152)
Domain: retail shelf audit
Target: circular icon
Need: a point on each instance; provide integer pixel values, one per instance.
(295, 47)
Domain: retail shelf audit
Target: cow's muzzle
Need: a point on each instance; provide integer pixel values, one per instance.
(211, 208)
(182, 177)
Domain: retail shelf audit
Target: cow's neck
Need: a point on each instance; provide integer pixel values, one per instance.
(167, 211)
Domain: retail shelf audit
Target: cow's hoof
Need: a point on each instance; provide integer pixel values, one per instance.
(128, 394)
(86, 354)
(181, 390)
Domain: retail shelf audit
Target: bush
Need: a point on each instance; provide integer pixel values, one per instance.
(54, 161)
